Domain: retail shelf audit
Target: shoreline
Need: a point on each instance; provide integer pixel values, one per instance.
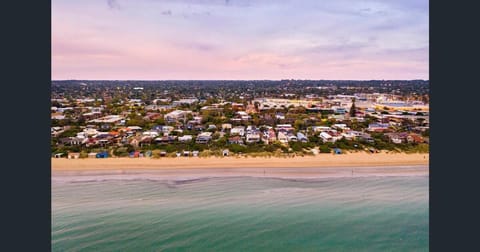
(321, 165)
(190, 175)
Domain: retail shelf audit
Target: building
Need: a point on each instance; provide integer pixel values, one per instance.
(378, 127)
(185, 138)
(187, 101)
(253, 137)
(176, 116)
(301, 137)
(321, 128)
(269, 136)
(109, 119)
(238, 130)
(235, 140)
(326, 138)
(226, 126)
(204, 137)
(282, 137)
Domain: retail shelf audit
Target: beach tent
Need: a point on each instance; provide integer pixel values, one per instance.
(134, 154)
(337, 151)
(102, 155)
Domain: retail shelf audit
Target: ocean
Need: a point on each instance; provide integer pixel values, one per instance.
(240, 214)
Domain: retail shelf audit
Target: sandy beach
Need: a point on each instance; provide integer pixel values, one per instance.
(320, 161)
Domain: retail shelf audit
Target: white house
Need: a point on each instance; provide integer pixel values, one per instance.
(185, 138)
(152, 133)
(326, 137)
(282, 137)
(253, 137)
(340, 126)
(226, 126)
(320, 128)
(238, 130)
(204, 137)
(176, 115)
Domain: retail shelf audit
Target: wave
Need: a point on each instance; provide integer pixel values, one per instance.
(174, 181)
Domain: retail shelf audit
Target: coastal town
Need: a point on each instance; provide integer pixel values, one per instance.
(105, 119)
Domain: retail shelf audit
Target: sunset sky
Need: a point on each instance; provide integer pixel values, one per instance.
(239, 39)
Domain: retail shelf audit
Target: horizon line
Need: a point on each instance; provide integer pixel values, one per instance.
(241, 79)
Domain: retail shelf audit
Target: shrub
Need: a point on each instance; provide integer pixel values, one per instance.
(325, 149)
(236, 148)
(156, 154)
(121, 152)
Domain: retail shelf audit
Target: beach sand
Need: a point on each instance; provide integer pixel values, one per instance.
(356, 160)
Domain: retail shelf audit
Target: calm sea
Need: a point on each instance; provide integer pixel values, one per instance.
(241, 214)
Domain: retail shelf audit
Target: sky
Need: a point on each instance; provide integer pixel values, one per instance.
(240, 39)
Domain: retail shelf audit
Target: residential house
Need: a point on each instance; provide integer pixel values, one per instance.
(397, 137)
(365, 137)
(176, 116)
(199, 127)
(320, 128)
(204, 137)
(226, 126)
(187, 101)
(152, 116)
(71, 141)
(235, 140)
(145, 141)
(185, 138)
(378, 127)
(351, 134)
(243, 115)
(237, 106)
(56, 131)
(108, 120)
(340, 126)
(251, 108)
(301, 137)
(165, 139)
(238, 130)
(414, 138)
(269, 136)
(253, 137)
(282, 137)
(280, 116)
(291, 137)
(167, 129)
(326, 138)
(151, 133)
(285, 127)
(133, 129)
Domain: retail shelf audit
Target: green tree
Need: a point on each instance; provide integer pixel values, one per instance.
(299, 124)
(353, 109)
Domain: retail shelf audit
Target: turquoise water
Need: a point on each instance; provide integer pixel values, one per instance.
(242, 214)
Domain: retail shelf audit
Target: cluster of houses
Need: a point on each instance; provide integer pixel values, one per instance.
(186, 126)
